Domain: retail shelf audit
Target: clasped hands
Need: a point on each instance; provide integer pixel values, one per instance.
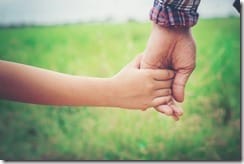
(156, 78)
(174, 49)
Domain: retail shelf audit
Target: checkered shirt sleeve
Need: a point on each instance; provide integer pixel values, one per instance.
(177, 13)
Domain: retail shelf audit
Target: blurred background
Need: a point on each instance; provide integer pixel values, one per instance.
(97, 38)
(51, 12)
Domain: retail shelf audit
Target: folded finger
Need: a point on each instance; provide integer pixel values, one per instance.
(162, 92)
(165, 109)
(177, 110)
(161, 100)
(162, 74)
(163, 84)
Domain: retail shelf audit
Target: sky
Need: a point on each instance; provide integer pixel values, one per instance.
(14, 12)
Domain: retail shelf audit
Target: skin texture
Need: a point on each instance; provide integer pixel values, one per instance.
(171, 48)
(141, 89)
(30, 84)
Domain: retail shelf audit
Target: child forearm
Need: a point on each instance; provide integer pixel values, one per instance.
(131, 88)
(39, 86)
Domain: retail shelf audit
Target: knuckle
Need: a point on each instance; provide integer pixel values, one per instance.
(169, 92)
(149, 74)
(150, 86)
(170, 74)
(168, 99)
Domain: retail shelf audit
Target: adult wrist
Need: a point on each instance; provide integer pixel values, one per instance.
(175, 13)
(178, 29)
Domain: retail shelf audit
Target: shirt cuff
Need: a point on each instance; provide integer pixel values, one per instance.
(237, 5)
(177, 13)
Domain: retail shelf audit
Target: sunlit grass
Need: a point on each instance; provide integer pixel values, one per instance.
(43, 132)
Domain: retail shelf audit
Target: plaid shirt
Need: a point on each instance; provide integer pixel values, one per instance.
(177, 13)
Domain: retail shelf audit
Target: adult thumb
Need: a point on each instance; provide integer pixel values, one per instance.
(179, 84)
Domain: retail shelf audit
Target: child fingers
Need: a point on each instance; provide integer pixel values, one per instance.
(163, 84)
(163, 74)
(175, 117)
(162, 92)
(161, 100)
(178, 111)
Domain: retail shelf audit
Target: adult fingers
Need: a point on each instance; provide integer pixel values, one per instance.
(175, 117)
(171, 109)
(179, 85)
(177, 110)
(165, 109)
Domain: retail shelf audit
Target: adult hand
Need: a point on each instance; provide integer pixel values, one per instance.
(171, 48)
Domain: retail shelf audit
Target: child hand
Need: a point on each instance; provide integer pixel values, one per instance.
(136, 88)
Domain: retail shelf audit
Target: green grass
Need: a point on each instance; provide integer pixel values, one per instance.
(209, 129)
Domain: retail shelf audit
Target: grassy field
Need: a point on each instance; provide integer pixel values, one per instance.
(209, 129)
